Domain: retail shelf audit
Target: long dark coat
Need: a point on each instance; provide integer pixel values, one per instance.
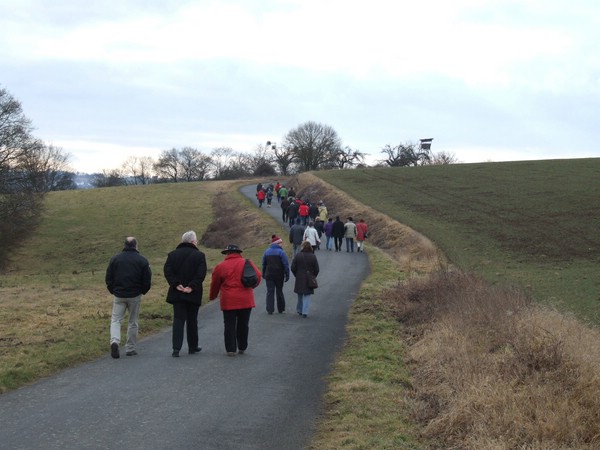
(304, 261)
(186, 265)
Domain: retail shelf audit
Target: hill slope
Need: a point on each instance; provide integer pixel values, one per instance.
(533, 223)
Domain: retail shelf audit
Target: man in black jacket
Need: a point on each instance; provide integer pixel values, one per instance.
(128, 277)
(338, 231)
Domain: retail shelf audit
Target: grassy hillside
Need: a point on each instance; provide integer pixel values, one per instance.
(57, 277)
(532, 223)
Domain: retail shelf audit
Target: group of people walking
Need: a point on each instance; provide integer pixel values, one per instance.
(311, 221)
(129, 277)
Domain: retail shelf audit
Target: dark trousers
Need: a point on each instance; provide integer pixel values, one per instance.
(338, 243)
(275, 287)
(236, 329)
(185, 315)
(349, 244)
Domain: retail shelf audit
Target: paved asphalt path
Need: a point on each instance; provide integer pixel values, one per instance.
(269, 398)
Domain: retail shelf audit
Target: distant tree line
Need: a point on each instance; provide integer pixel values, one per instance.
(310, 146)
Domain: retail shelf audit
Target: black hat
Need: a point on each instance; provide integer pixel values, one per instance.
(231, 248)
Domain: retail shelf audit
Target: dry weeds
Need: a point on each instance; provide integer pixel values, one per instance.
(236, 222)
(493, 370)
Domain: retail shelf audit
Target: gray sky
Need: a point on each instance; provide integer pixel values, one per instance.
(488, 80)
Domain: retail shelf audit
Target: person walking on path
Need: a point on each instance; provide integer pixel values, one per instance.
(322, 211)
(284, 204)
(260, 196)
(304, 264)
(313, 211)
(338, 232)
(276, 271)
(350, 234)
(292, 212)
(236, 300)
(297, 235)
(328, 230)
(312, 235)
(319, 227)
(185, 270)
(128, 277)
(303, 212)
(283, 193)
(361, 235)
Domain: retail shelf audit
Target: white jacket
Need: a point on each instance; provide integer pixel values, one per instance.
(312, 235)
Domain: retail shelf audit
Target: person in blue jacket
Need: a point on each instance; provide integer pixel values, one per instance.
(276, 271)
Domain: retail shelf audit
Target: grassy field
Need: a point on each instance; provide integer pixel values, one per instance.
(533, 224)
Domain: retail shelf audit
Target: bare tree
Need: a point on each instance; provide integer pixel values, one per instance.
(168, 165)
(404, 155)
(313, 145)
(138, 170)
(48, 168)
(220, 160)
(21, 194)
(349, 158)
(441, 158)
(194, 164)
(283, 158)
(239, 165)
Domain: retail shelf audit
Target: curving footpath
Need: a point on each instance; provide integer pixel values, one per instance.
(269, 398)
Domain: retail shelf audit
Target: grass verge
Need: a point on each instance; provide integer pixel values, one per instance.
(366, 389)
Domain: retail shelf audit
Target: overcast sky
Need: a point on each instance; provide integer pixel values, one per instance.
(488, 80)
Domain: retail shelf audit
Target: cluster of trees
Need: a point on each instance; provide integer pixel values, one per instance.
(28, 169)
(310, 146)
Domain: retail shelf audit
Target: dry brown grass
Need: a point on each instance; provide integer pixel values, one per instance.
(236, 222)
(492, 370)
(413, 251)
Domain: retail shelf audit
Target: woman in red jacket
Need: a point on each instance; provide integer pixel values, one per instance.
(236, 300)
(361, 235)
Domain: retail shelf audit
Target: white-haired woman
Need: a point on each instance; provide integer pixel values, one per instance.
(185, 270)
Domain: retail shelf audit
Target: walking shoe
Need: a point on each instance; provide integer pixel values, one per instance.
(230, 353)
(304, 316)
(131, 353)
(114, 350)
(193, 351)
(175, 354)
(241, 352)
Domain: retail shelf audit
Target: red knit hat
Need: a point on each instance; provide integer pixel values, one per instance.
(276, 239)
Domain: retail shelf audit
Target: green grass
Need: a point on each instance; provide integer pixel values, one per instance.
(366, 388)
(534, 223)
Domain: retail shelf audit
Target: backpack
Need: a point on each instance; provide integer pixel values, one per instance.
(249, 275)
